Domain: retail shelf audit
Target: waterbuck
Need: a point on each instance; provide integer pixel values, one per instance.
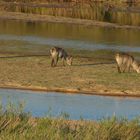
(57, 53)
(125, 62)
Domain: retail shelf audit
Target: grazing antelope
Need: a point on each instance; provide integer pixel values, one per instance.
(57, 53)
(125, 62)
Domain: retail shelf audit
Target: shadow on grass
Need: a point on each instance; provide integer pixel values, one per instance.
(18, 56)
(43, 55)
(93, 64)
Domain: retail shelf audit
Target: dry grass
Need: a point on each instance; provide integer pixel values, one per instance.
(16, 125)
(108, 11)
(93, 72)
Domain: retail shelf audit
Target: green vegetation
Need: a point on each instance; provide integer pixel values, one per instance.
(16, 125)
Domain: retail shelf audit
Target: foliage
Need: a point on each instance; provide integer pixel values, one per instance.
(21, 126)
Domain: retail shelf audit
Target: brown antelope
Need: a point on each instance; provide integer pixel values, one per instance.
(125, 62)
(57, 53)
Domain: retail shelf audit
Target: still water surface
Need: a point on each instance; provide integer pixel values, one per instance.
(76, 105)
(34, 35)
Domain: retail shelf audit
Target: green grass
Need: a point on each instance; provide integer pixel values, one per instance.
(16, 125)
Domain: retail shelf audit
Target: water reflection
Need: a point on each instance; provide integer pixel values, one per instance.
(67, 35)
(66, 43)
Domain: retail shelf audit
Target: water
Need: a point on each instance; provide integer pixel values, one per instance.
(76, 105)
(36, 36)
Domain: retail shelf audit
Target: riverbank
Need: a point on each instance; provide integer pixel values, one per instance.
(53, 19)
(94, 73)
(120, 12)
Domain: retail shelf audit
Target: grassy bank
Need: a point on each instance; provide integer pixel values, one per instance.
(92, 72)
(4, 15)
(16, 125)
(118, 12)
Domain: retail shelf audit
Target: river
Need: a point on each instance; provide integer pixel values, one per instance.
(77, 106)
(35, 36)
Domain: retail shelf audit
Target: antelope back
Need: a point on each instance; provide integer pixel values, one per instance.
(123, 58)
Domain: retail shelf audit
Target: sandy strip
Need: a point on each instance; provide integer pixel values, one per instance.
(71, 91)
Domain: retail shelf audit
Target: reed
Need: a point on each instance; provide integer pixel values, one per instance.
(15, 124)
(92, 10)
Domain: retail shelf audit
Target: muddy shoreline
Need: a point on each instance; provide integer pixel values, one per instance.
(71, 91)
(52, 19)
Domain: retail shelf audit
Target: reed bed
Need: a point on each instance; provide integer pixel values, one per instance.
(92, 11)
(16, 125)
